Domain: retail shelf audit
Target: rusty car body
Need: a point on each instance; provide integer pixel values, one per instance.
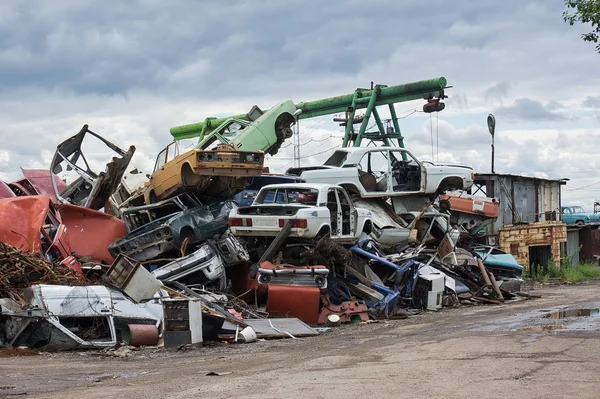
(37, 182)
(220, 172)
(91, 190)
(162, 227)
(58, 232)
(33, 225)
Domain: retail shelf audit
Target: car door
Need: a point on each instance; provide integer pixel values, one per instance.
(160, 175)
(347, 212)
(407, 174)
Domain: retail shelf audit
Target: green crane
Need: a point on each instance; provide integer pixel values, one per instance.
(266, 130)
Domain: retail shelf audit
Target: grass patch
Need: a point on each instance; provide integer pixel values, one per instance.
(586, 271)
(567, 272)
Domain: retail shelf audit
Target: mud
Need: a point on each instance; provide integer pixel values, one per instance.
(476, 351)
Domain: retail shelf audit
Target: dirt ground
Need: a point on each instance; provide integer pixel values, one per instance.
(477, 351)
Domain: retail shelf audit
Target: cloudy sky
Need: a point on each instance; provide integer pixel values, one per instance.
(131, 70)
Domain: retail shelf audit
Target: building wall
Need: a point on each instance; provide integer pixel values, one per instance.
(522, 199)
(516, 240)
(573, 246)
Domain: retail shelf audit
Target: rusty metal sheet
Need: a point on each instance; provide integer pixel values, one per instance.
(294, 301)
(280, 328)
(91, 232)
(21, 219)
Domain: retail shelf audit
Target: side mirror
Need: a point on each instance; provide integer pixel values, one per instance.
(148, 176)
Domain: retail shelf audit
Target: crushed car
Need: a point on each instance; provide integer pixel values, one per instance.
(163, 227)
(313, 209)
(61, 317)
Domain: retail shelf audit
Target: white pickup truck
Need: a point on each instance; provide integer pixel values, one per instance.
(386, 172)
(314, 210)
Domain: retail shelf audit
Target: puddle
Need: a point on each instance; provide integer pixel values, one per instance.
(563, 314)
(542, 328)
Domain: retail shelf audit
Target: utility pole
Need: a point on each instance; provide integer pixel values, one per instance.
(297, 139)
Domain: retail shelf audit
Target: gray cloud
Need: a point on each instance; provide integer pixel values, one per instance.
(132, 70)
(531, 110)
(592, 102)
(497, 92)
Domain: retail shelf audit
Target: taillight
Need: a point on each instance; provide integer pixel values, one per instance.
(296, 223)
(240, 222)
(472, 176)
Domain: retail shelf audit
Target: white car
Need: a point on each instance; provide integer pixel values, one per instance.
(314, 210)
(386, 172)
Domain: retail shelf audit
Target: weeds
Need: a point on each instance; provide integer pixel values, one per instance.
(567, 272)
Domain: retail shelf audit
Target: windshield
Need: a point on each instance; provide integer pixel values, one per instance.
(306, 196)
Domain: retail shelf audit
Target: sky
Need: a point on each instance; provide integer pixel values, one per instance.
(131, 70)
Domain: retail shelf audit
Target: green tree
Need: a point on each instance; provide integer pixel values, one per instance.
(585, 11)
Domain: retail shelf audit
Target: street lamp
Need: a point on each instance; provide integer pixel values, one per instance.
(491, 122)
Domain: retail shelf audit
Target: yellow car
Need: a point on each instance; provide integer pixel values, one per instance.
(219, 172)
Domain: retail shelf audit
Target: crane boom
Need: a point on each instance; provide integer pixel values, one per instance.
(431, 90)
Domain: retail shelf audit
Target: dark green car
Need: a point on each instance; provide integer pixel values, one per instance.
(161, 228)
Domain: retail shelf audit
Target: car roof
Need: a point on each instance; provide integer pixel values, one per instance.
(317, 186)
(369, 149)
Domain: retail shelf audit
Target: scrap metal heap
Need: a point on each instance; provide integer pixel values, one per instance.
(306, 255)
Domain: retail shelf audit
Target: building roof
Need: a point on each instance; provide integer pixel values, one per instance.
(492, 176)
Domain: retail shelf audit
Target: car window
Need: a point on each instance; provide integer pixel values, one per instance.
(578, 209)
(566, 210)
(336, 159)
(398, 155)
(161, 159)
(375, 161)
(307, 196)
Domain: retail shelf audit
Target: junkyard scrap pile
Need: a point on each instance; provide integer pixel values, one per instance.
(229, 253)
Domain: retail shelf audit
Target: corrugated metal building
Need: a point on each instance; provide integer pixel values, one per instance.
(529, 223)
(522, 199)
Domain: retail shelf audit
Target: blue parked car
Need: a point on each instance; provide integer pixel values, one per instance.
(246, 197)
(577, 215)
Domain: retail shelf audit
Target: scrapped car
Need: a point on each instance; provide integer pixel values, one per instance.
(246, 197)
(388, 172)
(219, 172)
(203, 266)
(91, 189)
(162, 227)
(37, 182)
(32, 224)
(577, 215)
(502, 264)
(313, 209)
(58, 232)
(60, 317)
